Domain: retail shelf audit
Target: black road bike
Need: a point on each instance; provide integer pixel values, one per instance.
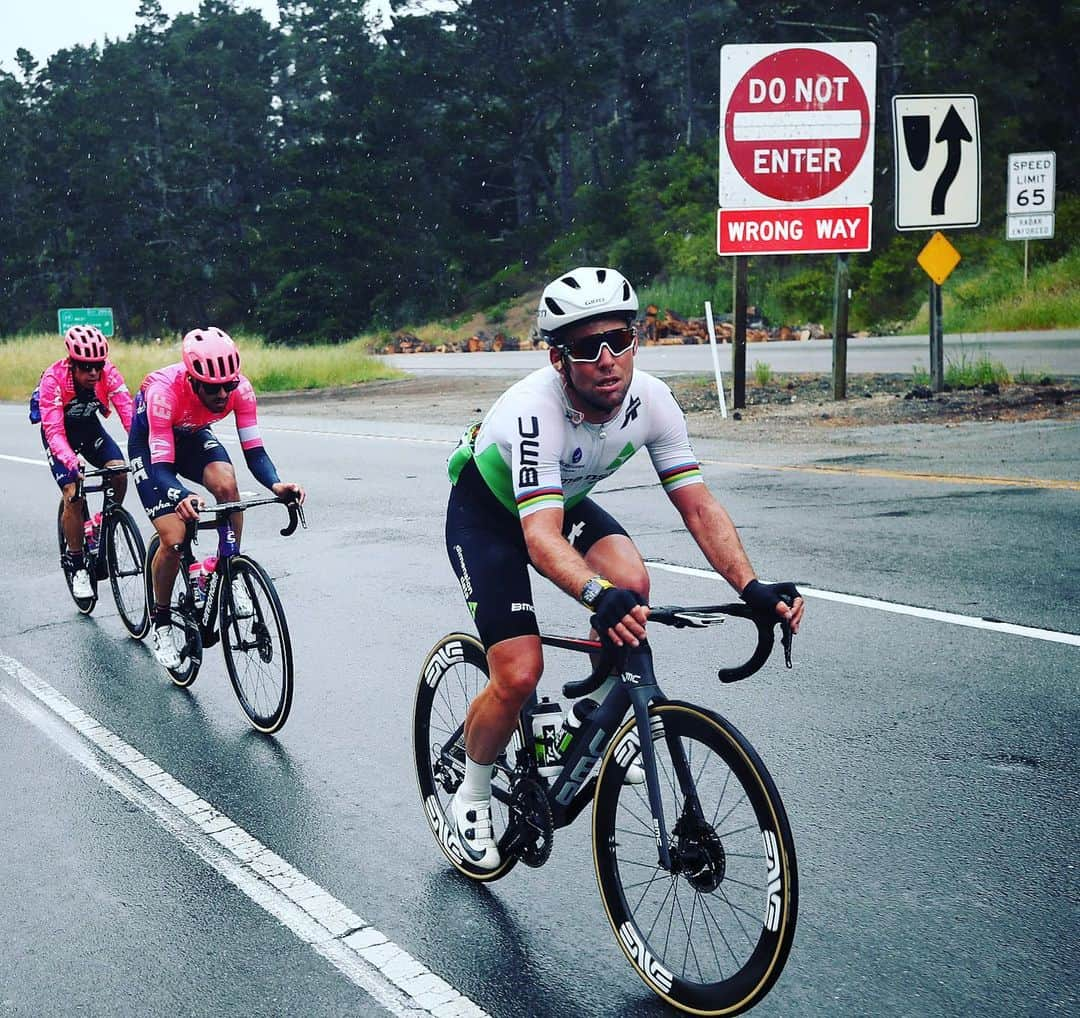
(255, 642)
(115, 552)
(695, 866)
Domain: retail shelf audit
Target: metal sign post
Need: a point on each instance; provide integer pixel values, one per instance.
(738, 338)
(937, 259)
(841, 296)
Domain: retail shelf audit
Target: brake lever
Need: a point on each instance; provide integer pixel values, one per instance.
(786, 635)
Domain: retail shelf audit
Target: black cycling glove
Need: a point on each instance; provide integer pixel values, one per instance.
(610, 606)
(764, 597)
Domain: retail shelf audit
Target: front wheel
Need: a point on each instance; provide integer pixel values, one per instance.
(712, 935)
(255, 639)
(125, 554)
(185, 626)
(84, 604)
(454, 672)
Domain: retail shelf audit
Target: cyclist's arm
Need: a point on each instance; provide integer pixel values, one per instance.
(247, 428)
(162, 441)
(554, 557)
(119, 395)
(52, 421)
(716, 536)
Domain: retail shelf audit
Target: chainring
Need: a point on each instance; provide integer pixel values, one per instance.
(530, 816)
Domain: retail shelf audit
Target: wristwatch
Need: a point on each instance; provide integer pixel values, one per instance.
(593, 589)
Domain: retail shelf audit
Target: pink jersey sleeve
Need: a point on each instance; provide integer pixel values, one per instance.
(160, 411)
(52, 415)
(247, 417)
(119, 395)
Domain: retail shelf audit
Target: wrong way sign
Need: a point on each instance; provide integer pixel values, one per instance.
(797, 125)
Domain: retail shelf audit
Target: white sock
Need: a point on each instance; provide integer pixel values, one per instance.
(476, 786)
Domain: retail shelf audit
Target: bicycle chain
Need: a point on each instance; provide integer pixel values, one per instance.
(530, 814)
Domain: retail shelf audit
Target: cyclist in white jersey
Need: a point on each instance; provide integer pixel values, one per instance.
(521, 481)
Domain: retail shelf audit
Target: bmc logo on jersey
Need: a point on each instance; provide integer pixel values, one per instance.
(528, 452)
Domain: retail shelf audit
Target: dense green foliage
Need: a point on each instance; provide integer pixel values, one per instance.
(317, 179)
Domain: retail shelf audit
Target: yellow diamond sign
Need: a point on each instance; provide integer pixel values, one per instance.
(938, 258)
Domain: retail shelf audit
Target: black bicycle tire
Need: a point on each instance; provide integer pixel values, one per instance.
(265, 723)
(121, 520)
(85, 605)
(452, 649)
(752, 980)
(182, 677)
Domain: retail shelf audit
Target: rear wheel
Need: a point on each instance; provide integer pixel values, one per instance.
(125, 553)
(84, 604)
(185, 627)
(258, 653)
(712, 935)
(454, 672)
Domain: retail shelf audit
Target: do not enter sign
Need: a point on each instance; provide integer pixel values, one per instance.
(797, 125)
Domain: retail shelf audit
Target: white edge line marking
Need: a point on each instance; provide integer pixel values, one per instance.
(23, 459)
(390, 975)
(1050, 635)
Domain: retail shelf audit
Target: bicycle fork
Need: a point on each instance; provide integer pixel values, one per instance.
(639, 681)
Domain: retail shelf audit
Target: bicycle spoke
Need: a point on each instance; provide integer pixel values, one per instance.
(710, 928)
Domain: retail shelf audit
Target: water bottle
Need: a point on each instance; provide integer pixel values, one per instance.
(546, 722)
(575, 718)
(91, 528)
(197, 578)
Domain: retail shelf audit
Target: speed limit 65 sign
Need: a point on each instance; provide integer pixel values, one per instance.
(1031, 183)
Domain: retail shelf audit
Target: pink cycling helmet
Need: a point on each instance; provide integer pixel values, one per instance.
(211, 356)
(86, 343)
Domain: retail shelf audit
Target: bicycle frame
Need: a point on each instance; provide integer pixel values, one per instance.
(572, 788)
(222, 576)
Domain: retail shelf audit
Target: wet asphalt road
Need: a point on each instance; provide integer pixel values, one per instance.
(929, 770)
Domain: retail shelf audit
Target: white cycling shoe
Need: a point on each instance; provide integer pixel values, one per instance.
(80, 585)
(165, 647)
(242, 599)
(473, 833)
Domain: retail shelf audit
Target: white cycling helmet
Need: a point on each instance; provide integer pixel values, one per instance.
(581, 294)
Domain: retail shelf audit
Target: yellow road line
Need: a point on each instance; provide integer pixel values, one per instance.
(907, 475)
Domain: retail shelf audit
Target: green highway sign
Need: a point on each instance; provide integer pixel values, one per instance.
(101, 317)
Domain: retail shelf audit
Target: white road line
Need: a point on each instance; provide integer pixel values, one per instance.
(1050, 635)
(348, 434)
(390, 975)
(40, 462)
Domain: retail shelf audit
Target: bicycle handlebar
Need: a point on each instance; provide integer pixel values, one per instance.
(85, 475)
(696, 617)
(219, 509)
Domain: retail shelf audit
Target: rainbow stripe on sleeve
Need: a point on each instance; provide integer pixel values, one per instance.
(539, 498)
(677, 476)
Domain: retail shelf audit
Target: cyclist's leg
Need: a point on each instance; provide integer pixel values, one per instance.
(101, 450)
(166, 564)
(71, 512)
(487, 552)
(514, 667)
(219, 477)
(159, 509)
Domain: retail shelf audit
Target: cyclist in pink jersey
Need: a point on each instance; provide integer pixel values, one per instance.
(171, 438)
(71, 394)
